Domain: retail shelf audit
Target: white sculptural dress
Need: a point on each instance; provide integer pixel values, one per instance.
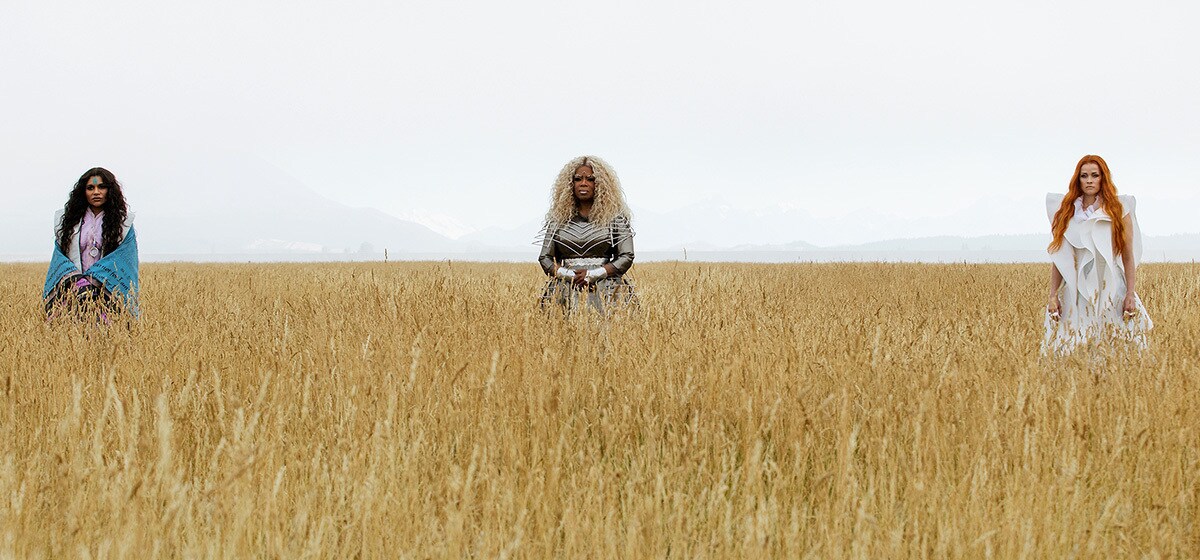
(1093, 289)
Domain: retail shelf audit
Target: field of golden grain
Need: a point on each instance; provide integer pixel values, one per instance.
(430, 410)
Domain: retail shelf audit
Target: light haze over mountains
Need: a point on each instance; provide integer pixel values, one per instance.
(238, 205)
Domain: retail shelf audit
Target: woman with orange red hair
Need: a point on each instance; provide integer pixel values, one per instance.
(1095, 250)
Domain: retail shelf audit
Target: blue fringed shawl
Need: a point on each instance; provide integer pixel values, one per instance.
(116, 271)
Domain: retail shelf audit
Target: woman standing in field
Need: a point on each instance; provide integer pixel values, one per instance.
(587, 242)
(1095, 250)
(94, 266)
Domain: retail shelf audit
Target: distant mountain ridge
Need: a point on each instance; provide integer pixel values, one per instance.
(1012, 242)
(240, 205)
(235, 205)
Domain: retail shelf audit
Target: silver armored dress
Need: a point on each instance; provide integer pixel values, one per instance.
(579, 244)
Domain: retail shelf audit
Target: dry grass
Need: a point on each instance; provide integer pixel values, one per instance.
(429, 410)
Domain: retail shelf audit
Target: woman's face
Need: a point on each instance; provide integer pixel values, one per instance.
(584, 183)
(1089, 179)
(96, 192)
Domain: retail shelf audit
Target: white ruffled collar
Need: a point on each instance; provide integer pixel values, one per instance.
(1093, 211)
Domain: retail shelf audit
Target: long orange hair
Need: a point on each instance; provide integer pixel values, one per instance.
(1109, 201)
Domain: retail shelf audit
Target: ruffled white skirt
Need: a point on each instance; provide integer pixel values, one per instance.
(1096, 319)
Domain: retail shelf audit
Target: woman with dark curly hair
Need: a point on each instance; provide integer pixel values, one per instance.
(587, 241)
(94, 265)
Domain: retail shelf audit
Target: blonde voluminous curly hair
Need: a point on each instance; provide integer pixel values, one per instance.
(609, 202)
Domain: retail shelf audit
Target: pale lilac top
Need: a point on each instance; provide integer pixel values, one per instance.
(91, 239)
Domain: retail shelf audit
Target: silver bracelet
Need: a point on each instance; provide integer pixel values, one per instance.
(598, 273)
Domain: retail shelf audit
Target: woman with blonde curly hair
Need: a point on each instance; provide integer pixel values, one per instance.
(1095, 250)
(587, 242)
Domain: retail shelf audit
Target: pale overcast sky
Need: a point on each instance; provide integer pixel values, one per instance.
(469, 108)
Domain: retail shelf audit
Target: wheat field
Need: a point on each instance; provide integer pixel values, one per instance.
(431, 410)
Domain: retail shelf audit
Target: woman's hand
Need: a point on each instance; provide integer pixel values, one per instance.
(1052, 307)
(580, 277)
(1130, 305)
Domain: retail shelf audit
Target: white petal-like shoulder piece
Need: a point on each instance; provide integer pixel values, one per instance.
(1053, 200)
(1129, 202)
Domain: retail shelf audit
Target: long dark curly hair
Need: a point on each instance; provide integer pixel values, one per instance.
(114, 210)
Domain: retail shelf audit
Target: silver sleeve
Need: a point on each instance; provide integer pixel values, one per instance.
(622, 245)
(547, 258)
